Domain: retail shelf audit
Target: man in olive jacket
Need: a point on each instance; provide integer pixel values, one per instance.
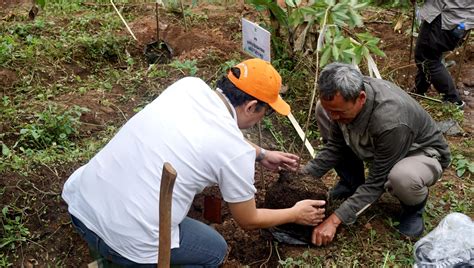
(372, 120)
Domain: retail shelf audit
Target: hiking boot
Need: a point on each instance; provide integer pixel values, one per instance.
(341, 191)
(411, 220)
(450, 63)
(459, 104)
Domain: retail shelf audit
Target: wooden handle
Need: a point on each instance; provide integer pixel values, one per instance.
(168, 178)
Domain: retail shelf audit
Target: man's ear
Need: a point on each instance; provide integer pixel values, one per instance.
(250, 106)
(362, 97)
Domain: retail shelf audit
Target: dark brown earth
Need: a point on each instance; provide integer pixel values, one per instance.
(39, 191)
(290, 188)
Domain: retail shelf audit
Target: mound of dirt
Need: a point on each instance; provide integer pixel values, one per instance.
(194, 43)
(284, 193)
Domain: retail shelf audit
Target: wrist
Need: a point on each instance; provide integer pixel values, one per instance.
(261, 155)
(335, 219)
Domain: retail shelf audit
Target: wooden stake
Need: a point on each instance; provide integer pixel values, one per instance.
(168, 178)
(123, 20)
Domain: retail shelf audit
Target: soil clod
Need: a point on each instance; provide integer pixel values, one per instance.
(284, 193)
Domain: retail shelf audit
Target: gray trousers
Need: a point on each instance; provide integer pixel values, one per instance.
(408, 180)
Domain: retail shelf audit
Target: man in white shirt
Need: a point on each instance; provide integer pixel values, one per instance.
(113, 199)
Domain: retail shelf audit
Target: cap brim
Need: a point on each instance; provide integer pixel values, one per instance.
(280, 106)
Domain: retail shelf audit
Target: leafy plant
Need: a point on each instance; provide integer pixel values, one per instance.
(41, 3)
(7, 44)
(334, 18)
(277, 135)
(305, 260)
(227, 65)
(14, 231)
(51, 127)
(4, 262)
(461, 164)
(187, 67)
(107, 47)
(156, 72)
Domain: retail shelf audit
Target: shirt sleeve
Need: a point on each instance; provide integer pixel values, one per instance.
(390, 147)
(236, 178)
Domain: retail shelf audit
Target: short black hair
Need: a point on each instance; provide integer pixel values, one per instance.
(236, 96)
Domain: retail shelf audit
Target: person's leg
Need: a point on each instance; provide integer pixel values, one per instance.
(99, 248)
(431, 44)
(199, 246)
(408, 181)
(422, 50)
(350, 171)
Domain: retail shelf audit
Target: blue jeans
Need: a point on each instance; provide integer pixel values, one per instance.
(199, 246)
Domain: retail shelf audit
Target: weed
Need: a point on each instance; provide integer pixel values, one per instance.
(456, 204)
(195, 18)
(461, 164)
(188, 67)
(4, 262)
(51, 127)
(452, 111)
(155, 72)
(7, 44)
(105, 46)
(227, 65)
(277, 135)
(304, 260)
(14, 231)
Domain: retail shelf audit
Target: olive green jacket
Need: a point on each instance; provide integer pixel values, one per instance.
(390, 126)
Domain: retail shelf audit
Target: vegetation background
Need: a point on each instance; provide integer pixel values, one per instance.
(71, 75)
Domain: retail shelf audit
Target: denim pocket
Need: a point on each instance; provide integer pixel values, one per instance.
(113, 256)
(77, 226)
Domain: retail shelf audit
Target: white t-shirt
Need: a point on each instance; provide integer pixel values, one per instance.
(116, 194)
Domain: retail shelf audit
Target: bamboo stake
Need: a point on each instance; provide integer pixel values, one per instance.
(157, 15)
(424, 97)
(313, 93)
(184, 16)
(260, 138)
(411, 35)
(123, 20)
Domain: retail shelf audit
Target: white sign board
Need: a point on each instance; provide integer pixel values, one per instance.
(255, 40)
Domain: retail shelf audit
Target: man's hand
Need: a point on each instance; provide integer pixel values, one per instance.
(309, 212)
(324, 233)
(274, 160)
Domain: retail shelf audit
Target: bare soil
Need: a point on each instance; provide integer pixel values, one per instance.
(217, 35)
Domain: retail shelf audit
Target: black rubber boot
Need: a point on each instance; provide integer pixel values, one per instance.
(411, 220)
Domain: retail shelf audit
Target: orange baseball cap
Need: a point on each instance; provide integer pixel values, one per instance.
(259, 79)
